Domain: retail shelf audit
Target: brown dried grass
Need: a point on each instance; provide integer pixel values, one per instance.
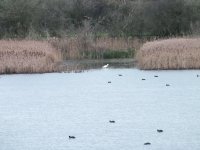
(175, 53)
(74, 47)
(27, 57)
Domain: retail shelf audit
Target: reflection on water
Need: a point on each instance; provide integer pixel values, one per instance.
(80, 65)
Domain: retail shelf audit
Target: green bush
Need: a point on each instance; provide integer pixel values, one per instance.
(115, 54)
(130, 18)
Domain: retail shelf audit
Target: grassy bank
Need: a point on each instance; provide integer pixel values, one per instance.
(82, 47)
(31, 56)
(175, 53)
(27, 57)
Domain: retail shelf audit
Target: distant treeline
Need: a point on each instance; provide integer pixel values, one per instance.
(117, 18)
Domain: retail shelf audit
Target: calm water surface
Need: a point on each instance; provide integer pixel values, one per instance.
(39, 112)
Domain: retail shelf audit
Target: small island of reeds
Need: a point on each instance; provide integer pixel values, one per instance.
(174, 53)
(27, 57)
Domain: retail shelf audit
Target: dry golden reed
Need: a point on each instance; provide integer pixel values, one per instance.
(27, 57)
(175, 53)
(74, 47)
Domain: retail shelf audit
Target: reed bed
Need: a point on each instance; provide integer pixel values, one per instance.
(27, 57)
(175, 53)
(96, 48)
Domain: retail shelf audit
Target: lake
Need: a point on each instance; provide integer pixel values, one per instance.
(41, 111)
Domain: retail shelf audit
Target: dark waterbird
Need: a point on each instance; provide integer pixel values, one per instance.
(156, 76)
(109, 81)
(72, 137)
(147, 143)
(167, 85)
(112, 121)
(119, 75)
(197, 76)
(78, 71)
(159, 130)
(143, 79)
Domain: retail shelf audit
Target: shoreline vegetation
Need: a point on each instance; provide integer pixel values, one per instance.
(113, 18)
(57, 55)
(31, 56)
(86, 47)
(37, 36)
(27, 57)
(174, 53)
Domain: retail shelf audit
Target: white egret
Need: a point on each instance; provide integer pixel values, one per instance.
(105, 66)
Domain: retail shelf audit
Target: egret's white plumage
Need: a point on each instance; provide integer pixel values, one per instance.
(105, 66)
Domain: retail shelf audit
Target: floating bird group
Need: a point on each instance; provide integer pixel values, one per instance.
(159, 131)
(113, 121)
